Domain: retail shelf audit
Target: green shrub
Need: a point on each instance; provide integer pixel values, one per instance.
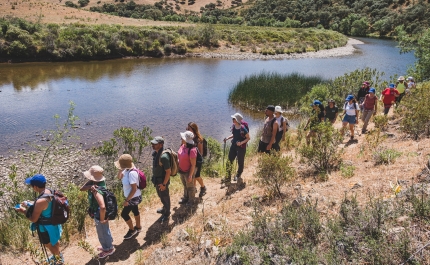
(323, 153)
(273, 172)
(347, 171)
(385, 156)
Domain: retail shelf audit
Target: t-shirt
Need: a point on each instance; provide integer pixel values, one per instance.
(157, 170)
(280, 122)
(389, 95)
(94, 205)
(362, 92)
(330, 113)
(184, 159)
(237, 136)
(130, 177)
(401, 87)
(350, 109)
(369, 103)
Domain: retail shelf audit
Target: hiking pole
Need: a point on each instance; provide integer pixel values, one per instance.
(42, 245)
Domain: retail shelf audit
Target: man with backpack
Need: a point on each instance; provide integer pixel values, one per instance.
(270, 127)
(129, 176)
(39, 212)
(161, 171)
(96, 187)
(362, 92)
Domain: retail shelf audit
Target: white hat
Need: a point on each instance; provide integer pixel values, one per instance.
(238, 117)
(401, 78)
(278, 109)
(410, 78)
(188, 137)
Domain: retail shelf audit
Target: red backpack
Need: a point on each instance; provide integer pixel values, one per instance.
(142, 178)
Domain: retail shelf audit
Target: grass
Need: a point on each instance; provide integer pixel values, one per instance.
(259, 90)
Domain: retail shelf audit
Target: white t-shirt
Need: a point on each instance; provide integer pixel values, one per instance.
(350, 110)
(130, 177)
(279, 122)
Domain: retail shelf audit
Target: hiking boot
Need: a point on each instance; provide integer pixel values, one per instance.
(52, 260)
(202, 191)
(138, 230)
(160, 210)
(183, 201)
(130, 234)
(104, 254)
(163, 219)
(237, 176)
(352, 138)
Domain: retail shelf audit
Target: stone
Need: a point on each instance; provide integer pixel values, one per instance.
(178, 249)
(357, 185)
(182, 235)
(396, 230)
(208, 244)
(209, 226)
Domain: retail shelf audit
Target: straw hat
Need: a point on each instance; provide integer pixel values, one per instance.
(125, 161)
(95, 173)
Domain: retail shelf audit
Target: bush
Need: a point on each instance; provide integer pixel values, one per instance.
(273, 172)
(347, 171)
(70, 4)
(323, 154)
(385, 156)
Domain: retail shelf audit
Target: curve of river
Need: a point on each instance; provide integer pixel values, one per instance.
(164, 94)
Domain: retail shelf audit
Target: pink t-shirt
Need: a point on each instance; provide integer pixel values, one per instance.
(184, 159)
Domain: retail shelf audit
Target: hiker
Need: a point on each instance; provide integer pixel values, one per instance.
(198, 141)
(401, 88)
(49, 235)
(317, 116)
(331, 111)
(282, 128)
(270, 128)
(388, 97)
(240, 137)
(362, 92)
(133, 195)
(350, 112)
(370, 107)
(97, 209)
(161, 176)
(187, 156)
(411, 84)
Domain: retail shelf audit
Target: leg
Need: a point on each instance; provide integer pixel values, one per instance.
(351, 129)
(104, 235)
(240, 160)
(125, 215)
(367, 114)
(184, 185)
(165, 200)
(262, 147)
(277, 143)
(136, 214)
(232, 154)
(344, 123)
(191, 189)
(387, 109)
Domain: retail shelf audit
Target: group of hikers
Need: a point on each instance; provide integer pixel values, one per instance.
(367, 104)
(187, 161)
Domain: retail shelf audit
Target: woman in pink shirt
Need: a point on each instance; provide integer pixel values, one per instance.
(187, 155)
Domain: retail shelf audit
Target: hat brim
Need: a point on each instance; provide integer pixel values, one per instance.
(118, 166)
(88, 175)
(28, 181)
(154, 142)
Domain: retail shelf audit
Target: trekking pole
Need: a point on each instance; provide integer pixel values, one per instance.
(42, 245)
(223, 156)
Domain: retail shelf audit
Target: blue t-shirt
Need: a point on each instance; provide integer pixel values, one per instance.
(237, 135)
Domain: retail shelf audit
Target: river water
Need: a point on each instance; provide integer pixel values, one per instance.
(163, 94)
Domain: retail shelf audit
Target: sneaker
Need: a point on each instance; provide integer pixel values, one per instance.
(137, 229)
(163, 219)
(202, 191)
(104, 254)
(52, 260)
(183, 201)
(130, 233)
(237, 176)
(160, 210)
(100, 248)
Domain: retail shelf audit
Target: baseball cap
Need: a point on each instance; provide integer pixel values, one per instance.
(37, 180)
(157, 140)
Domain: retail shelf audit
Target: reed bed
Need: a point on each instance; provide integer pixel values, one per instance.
(259, 90)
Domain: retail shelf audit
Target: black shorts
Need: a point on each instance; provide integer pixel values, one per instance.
(44, 237)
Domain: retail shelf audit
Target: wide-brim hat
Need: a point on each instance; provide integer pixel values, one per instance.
(125, 161)
(278, 109)
(238, 117)
(188, 137)
(401, 78)
(95, 173)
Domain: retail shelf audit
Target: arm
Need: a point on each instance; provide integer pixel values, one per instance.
(102, 206)
(41, 204)
(200, 147)
(272, 140)
(86, 186)
(130, 195)
(119, 175)
(164, 161)
(227, 138)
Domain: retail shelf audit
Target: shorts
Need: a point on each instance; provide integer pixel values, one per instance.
(349, 119)
(44, 237)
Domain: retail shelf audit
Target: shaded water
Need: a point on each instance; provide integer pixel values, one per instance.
(163, 94)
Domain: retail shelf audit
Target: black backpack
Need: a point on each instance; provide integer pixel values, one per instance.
(60, 209)
(205, 148)
(110, 203)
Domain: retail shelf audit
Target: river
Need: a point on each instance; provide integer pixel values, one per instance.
(163, 94)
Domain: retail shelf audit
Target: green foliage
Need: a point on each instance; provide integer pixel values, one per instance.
(347, 171)
(78, 211)
(211, 162)
(70, 4)
(385, 156)
(259, 90)
(273, 172)
(416, 111)
(127, 139)
(323, 153)
(83, 3)
(420, 202)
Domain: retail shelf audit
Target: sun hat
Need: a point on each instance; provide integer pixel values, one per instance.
(95, 173)
(410, 78)
(271, 108)
(157, 140)
(125, 161)
(349, 97)
(392, 85)
(372, 90)
(401, 78)
(37, 180)
(188, 137)
(238, 117)
(278, 109)
(316, 102)
(367, 83)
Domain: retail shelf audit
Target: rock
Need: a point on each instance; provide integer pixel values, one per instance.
(299, 201)
(209, 226)
(215, 250)
(208, 244)
(182, 235)
(396, 230)
(357, 185)
(178, 249)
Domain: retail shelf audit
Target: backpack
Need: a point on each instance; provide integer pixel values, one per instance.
(354, 104)
(110, 203)
(60, 209)
(199, 158)
(243, 125)
(205, 148)
(141, 177)
(174, 162)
